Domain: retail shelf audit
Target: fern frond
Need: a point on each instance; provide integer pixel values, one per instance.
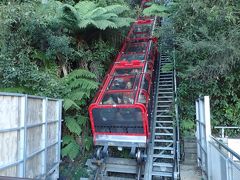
(103, 24)
(81, 73)
(72, 149)
(68, 103)
(121, 22)
(69, 15)
(84, 84)
(73, 125)
(106, 16)
(82, 120)
(77, 95)
(116, 9)
(67, 139)
(155, 9)
(95, 13)
(84, 23)
(83, 7)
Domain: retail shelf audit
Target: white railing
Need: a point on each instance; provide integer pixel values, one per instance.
(203, 133)
(216, 160)
(222, 166)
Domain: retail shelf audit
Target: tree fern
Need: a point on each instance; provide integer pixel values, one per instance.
(86, 13)
(80, 84)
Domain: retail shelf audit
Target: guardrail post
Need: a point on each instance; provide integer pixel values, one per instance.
(208, 132)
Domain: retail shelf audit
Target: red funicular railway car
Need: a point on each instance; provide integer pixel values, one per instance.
(119, 113)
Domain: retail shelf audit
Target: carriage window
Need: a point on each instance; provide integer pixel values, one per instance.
(136, 48)
(142, 28)
(130, 57)
(142, 98)
(124, 82)
(128, 71)
(117, 83)
(118, 98)
(149, 68)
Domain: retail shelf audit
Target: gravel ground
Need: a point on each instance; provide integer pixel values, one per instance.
(190, 172)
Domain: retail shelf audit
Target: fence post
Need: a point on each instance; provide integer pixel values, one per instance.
(198, 134)
(203, 133)
(208, 132)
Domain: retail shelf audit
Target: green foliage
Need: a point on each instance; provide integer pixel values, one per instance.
(80, 84)
(40, 55)
(207, 40)
(187, 126)
(167, 67)
(86, 13)
(70, 147)
(156, 10)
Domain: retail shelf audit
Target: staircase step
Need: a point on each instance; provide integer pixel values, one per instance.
(163, 164)
(162, 174)
(163, 134)
(165, 85)
(164, 127)
(169, 101)
(170, 97)
(164, 106)
(161, 89)
(166, 93)
(163, 140)
(163, 148)
(163, 156)
(163, 111)
(170, 116)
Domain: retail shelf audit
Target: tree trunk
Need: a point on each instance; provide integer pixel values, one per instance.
(64, 69)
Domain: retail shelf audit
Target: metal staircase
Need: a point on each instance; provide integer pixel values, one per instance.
(163, 158)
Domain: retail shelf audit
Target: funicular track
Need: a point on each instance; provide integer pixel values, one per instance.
(162, 161)
(163, 149)
(162, 153)
(119, 169)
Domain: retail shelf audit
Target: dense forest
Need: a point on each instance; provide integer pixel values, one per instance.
(63, 49)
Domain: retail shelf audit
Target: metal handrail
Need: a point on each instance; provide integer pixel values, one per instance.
(225, 127)
(229, 150)
(177, 133)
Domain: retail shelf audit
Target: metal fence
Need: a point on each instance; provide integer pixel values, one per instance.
(222, 166)
(215, 159)
(30, 136)
(203, 132)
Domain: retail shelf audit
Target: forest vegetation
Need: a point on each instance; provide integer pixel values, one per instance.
(63, 49)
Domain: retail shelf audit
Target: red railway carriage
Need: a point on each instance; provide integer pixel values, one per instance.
(119, 112)
(119, 115)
